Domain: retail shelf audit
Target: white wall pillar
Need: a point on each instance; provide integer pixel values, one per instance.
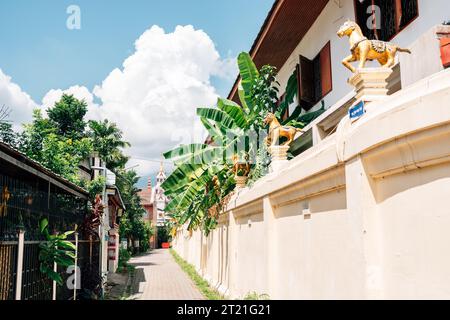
(361, 206)
(232, 266)
(271, 254)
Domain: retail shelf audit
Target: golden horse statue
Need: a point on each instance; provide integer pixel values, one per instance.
(276, 131)
(364, 49)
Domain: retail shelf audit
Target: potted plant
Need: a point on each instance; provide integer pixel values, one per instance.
(241, 171)
(164, 237)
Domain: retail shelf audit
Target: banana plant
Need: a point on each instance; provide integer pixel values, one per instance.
(203, 179)
(56, 249)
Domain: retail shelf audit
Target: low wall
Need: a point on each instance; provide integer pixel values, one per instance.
(364, 214)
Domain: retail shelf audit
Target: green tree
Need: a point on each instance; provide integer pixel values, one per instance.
(7, 134)
(62, 154)
(108, 141)
(132, 224)
(61, 141)
(33, 135)
(68, 116)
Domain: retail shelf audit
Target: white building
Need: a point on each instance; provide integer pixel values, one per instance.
(362, 211)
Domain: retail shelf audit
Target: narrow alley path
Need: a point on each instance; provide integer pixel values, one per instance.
(159, 277)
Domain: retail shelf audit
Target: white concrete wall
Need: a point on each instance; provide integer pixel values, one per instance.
(364, 214)
(325, 27)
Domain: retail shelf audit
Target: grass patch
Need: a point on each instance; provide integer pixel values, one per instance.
(256, 296)
(119, 291)
(202, 284)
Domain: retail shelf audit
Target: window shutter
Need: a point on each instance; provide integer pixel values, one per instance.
(388, 19)
(325, 70)
(317, 79)
(395, 16)
(410, 11)
(306, 83)
(362, 17)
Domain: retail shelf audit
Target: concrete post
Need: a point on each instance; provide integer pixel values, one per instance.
(279, 158)
(20, 249)
(55, 268)
(370, 84)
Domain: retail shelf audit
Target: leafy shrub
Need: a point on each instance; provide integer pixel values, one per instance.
(57, 250)
(124, 257)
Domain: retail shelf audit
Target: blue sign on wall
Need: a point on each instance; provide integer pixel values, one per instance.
(357, 110)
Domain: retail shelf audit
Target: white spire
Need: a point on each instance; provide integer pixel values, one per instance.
(161, 177)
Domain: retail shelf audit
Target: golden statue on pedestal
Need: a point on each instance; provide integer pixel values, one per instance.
(276, 131)
(364, 49)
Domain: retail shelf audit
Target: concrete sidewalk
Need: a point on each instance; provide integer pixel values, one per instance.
(159, 277)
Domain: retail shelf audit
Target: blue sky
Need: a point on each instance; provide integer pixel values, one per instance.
(153, 95)
(40, 53)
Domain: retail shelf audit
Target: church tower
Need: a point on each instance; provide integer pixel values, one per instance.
(159, 199)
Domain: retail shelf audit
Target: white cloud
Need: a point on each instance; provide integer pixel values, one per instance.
(79, 92)
(20, 103)
(227, 69)
(153, 97)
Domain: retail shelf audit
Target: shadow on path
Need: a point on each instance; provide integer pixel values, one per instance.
(159, 277)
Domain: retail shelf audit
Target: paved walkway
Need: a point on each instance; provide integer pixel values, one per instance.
(159, 277)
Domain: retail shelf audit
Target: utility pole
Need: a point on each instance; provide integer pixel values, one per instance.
(100, 170)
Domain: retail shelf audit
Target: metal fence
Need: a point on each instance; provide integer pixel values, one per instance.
(24, 201)
(35, 286)
(8, 267)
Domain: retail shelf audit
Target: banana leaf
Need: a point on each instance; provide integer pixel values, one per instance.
(215, 133)
(194, 189)
(309, 117)
(235, 111)
(202, 156)
(241, 95)
(249, 73)
(291, 92)
(220, 117)
(179, 176)
(184, 149)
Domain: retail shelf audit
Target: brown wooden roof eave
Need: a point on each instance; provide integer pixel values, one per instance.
(285, 26)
